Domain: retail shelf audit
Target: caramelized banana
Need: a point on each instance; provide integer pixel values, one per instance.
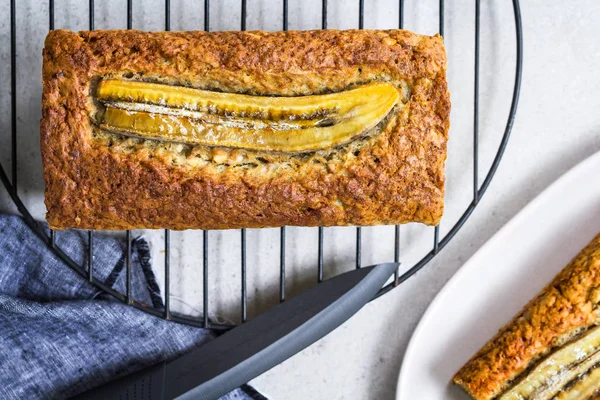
(238, 122)
(585, 387)
(236, 105)
(557, 370)
(287, 124)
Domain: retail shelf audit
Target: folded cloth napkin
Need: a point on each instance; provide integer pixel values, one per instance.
(60, 336)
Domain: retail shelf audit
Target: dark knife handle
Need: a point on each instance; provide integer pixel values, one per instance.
(147, 384)
(247, 351)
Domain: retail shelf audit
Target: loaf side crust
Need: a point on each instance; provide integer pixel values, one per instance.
(397, 177)
(566, 307)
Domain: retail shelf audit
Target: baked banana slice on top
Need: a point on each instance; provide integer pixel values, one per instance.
(286, 124)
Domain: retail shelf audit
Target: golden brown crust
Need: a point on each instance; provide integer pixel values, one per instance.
(396, 177)
(568, 305)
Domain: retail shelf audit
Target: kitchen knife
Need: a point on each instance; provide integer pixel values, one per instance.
(254, 347)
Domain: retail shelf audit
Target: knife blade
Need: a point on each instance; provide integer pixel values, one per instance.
(256, 346)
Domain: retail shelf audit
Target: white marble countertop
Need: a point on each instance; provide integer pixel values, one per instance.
(557, 125)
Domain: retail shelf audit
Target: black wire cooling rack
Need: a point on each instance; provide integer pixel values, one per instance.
(87, 271)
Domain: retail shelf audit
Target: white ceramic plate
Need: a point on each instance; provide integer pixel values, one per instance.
(499, 280)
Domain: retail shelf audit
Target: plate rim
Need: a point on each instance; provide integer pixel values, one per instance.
(470, 263)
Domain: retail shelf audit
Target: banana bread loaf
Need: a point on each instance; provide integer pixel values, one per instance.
(551, 350)
(243, 129)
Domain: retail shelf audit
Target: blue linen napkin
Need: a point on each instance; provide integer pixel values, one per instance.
(60, 336)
